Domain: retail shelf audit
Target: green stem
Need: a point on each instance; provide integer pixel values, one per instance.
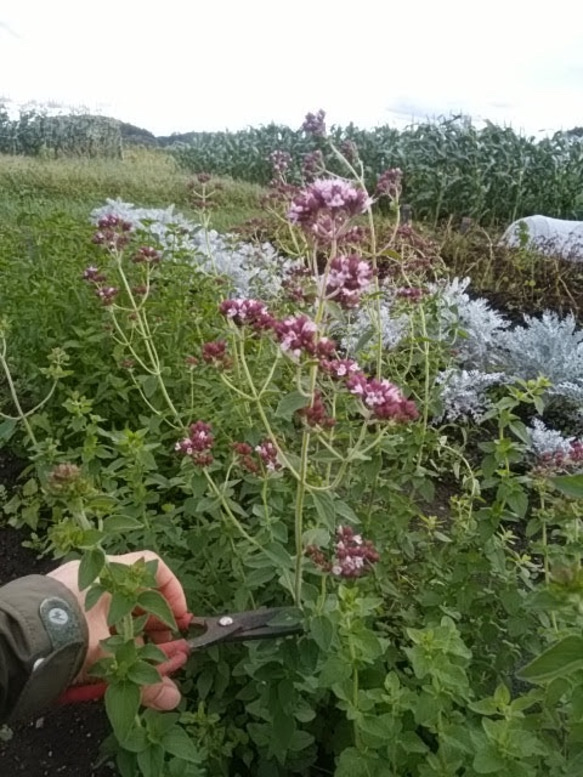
(234, 520)
(21, 414)
(146, 335)
(426, 383)
(299, 516)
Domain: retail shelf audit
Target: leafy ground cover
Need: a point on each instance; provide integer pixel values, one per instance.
(335, 421)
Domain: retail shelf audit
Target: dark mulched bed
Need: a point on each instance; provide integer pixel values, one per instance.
(66, 740)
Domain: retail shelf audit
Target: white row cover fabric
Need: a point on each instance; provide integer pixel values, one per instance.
(552, 237)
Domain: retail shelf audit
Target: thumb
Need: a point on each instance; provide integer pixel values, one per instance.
(161, 696)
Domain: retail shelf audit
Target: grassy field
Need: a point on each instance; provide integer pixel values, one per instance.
(145, 178)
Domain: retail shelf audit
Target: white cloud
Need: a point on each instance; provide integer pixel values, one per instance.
(234, 63)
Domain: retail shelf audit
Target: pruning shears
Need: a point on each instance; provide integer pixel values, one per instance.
(201, 633)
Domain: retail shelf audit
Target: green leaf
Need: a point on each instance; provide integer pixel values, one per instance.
(179, 744)
(345, 511)
(7, 428)
(570, 485)
(121, 605)
(137, 740)
(335, 670)
(151, 652)
(489, 761)
(324, 505)
(282, 731)
(143, 673)
(560, 660)
(30, 487)
(149, 385)
(90, 567)
(159, 723)
(151, 761)
(322, 631)
(290, 404)
(93, 595)
(120, 523)
(154, 603)
(122, 702)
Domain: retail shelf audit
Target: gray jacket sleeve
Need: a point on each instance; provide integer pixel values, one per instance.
(43, 643)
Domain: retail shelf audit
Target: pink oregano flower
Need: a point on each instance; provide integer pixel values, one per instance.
(198, 444)
(113, 232)
(267, 452)
(247, 312)
(382, 398)
(298, 334)
(348, 278)
(353, 556)
(324, 207)
(315, 123)
(341, 369)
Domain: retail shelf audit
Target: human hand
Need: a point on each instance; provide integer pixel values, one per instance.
(163, 695)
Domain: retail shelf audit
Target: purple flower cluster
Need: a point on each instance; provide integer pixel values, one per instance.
(382, 398)
(341, 369)
(112, 232)
(389, 183)
(316, 414)
(348, 278)
(324, 207)
(298, 334)
(280, 162)
(244, 453)
(198, 444)
(353, 556)
(106, 294)
(247, 312)
(147, 255)
(215, 353)
(313, 165)
(253, 460)
(350, 150)
(315, 124)
(411, 293)
(562, 461)
(267, 452)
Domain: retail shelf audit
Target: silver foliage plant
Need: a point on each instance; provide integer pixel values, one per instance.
(254, 271)
(358, 332)
(483, 341)
(464, 393)
(471, 325)
(547, 442)
(548, 346)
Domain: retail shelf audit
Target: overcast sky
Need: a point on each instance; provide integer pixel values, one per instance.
(227, 64)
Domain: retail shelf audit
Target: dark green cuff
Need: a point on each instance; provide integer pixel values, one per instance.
(45, 637)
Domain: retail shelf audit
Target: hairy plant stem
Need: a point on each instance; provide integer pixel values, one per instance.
(225, 505)
(143, 329)
(426, 383)
(299, 516)
(21, 415)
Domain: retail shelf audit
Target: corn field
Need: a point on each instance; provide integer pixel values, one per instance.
(36, 134)
(493, 175)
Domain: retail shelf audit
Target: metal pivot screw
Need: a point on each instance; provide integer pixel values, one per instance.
(225, 621)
